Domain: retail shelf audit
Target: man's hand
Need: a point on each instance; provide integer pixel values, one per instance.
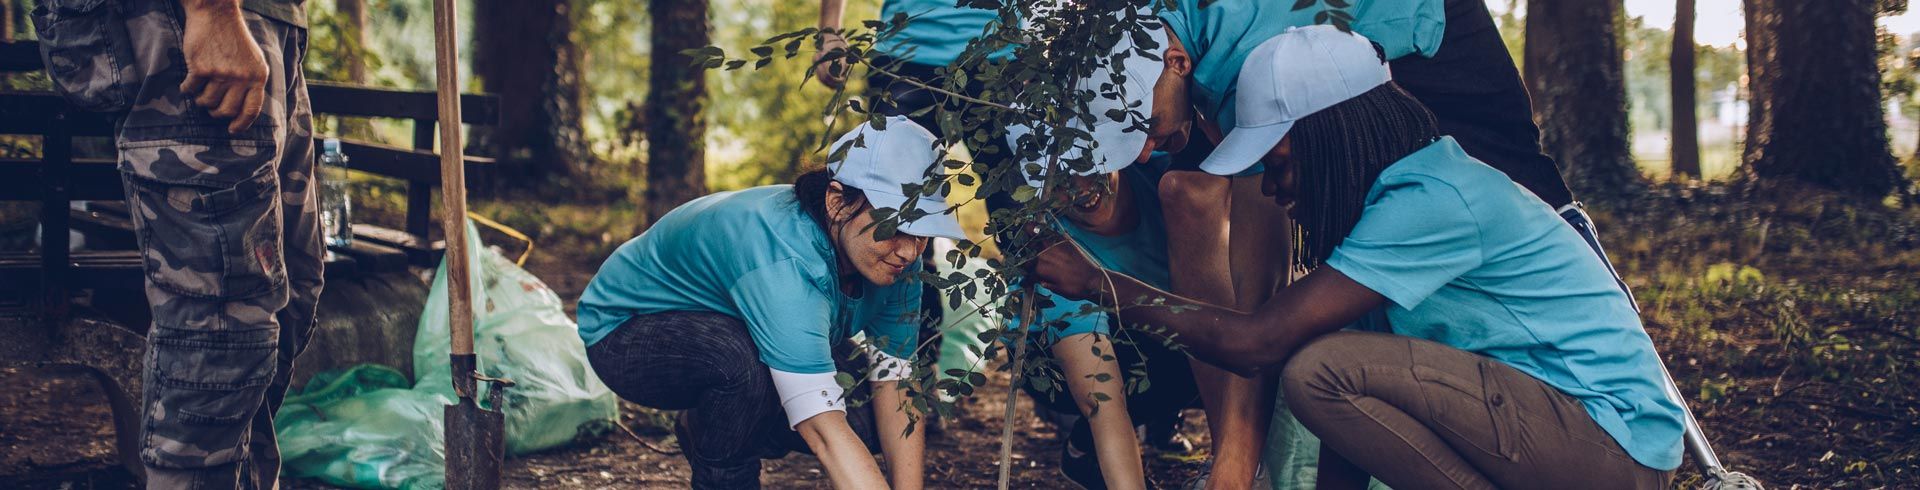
(225, 72)
(1067, 272)
(833, 74)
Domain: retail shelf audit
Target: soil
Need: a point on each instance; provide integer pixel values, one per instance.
(1806, 382)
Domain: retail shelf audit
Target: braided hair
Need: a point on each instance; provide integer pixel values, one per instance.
(1340, 151)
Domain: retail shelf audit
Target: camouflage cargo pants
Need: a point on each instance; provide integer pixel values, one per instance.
(229, 230)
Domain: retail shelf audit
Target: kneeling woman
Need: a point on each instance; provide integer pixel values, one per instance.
(736, 306)
(1514, 360)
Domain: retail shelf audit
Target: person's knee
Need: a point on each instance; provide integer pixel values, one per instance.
(1192, 193)
(1325, 368)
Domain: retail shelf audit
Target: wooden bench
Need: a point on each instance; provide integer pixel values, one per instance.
(38, 327)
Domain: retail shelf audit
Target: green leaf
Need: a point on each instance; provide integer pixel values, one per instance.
(844, 380)
(1339, 4)
(1303, 4)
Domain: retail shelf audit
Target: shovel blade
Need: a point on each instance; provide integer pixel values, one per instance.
(476, 446)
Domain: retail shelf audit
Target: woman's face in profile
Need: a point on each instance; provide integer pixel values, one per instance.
(1281, 180)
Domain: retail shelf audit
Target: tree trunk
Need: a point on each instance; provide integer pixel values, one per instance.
(6, 21)
(1574, 72)
(1816, 114)
(1686, 115)
(355, 31)
(525, 53)
(676, 96)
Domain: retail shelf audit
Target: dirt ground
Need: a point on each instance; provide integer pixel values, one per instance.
(56, 433)
(1805, 378)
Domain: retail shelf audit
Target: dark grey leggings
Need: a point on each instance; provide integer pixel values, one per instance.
(707, 365)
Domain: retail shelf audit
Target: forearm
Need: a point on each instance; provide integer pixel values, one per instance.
(906, 453)
(830, 13)
(1233, 340)
(848, 464)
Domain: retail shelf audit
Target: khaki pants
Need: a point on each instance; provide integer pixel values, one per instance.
(1419, 414)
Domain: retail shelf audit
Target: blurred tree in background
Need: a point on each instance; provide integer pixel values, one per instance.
(529, 57)
(1574, 73)
(674, 117)
(1686, 106)
(1821, 121)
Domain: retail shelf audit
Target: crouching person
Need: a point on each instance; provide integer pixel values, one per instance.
(1503, 352)
(732, 308)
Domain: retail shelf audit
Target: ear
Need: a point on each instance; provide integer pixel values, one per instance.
(837, 209)
(1176, 59)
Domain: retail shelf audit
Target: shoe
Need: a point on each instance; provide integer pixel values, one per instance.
(1261, 480)
(1164, 443)
(1081, 467)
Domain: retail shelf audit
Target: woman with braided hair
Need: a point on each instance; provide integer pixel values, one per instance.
(1495, 351)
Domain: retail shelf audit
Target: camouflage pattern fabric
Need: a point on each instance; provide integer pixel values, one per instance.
(229, 229)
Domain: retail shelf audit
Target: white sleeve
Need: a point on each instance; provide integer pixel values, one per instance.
(806, 395)
(886, 367)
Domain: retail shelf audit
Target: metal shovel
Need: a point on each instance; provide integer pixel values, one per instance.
(475, 437)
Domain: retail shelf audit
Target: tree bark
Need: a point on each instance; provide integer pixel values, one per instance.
(1816, 112)
(355, 30)
(1686, 107)
(525, 53)
(6, 21)
(676, 99)
(1574, 70)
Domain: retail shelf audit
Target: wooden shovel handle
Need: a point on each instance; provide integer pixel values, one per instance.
(453, 179)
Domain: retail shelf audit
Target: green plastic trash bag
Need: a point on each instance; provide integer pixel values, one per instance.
(521, 332)
(368, 427)
(363, 428)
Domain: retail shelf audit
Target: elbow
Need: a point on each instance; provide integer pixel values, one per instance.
(1263, 354)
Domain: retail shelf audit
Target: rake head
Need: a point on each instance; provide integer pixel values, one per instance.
(1731, 480)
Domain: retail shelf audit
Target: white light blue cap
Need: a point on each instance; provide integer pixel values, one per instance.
(1297, 73)
(1116, 143)
(886, 159)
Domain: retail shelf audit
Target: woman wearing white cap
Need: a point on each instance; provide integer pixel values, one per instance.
(732, 308)
(1503, 352)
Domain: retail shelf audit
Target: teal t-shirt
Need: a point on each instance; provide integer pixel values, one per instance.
(754, 255)
(1219, 34)
(1472, 260)
(1140, 253)
(937, 31)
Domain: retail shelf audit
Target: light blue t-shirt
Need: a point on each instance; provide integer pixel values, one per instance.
(1219, 34)
(937, 31)
(1140, 253)
(1472, 260)
(754, 255)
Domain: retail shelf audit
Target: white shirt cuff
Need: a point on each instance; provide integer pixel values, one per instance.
(886, 367)
(806, 395)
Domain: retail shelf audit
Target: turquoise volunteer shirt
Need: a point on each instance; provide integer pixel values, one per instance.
(937, 31)
(753, 255)
(1140, 252)
(1472, 260)
(1219, 34)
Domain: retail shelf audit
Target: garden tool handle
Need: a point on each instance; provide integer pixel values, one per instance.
(1697, 444)
(453, 195)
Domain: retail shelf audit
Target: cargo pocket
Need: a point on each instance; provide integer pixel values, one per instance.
(209, 218)
(214, 377)
(88, 52)
(1465, 411)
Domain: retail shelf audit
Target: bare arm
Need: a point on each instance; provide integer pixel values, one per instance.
(906, 454)
(226, 73)
(840, 451)
(832, 74)
(1244, 343)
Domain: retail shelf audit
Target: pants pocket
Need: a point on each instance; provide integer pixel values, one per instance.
(206, 236)
(203, 388)
(88, 52)
(1463, 409)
